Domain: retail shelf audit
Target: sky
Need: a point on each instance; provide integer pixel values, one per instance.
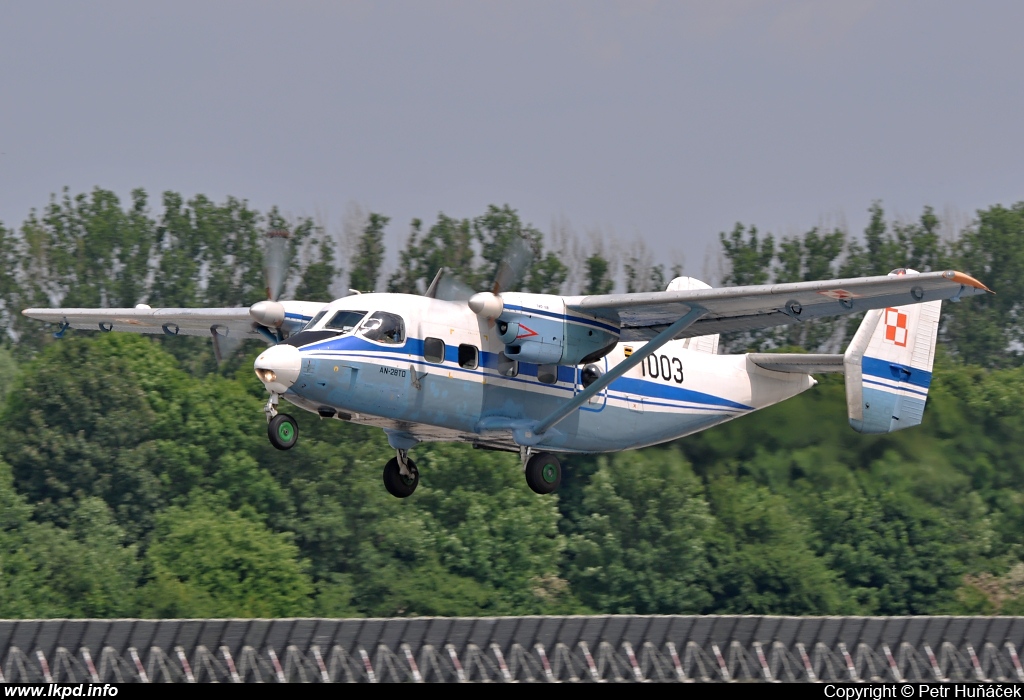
(665, 122)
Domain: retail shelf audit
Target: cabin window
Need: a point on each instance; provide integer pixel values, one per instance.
(433, 350)
(469, 356)
(344, 321)
(507, 367)
(385, 328)
(547, 374)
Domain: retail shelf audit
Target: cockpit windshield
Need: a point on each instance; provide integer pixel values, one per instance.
(316, 320)
(344, 321)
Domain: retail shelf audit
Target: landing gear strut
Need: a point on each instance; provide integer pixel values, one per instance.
(543, 472)
(270, 407)
(282, 429)
(401, 477)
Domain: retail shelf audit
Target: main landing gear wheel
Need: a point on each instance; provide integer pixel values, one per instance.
(397, 484)
(283, 431)
(543, 473)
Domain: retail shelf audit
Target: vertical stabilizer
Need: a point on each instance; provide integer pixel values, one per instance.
(889, 366)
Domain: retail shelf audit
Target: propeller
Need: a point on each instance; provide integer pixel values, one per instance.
(514, 262)
(448, 287)
(275, 262)
(269, 313)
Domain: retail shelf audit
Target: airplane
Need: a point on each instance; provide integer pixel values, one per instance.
(543, 374)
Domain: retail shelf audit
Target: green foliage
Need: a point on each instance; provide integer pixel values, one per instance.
(208, 561)
(598, 275)
(369, 255)
(132, 487)
(990, 332)
(499, 234)
(320, 273)
(762, 558)
(749, 259)
(985, 332)
(446, 245)
(641, 547)
(85, 570)
(130, 427)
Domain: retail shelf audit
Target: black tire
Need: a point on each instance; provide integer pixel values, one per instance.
(283, 431)
(543, 473)
(397, 485)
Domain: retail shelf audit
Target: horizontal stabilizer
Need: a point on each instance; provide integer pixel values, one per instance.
(798, 363)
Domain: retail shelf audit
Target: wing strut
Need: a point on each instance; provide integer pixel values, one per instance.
(620, 369)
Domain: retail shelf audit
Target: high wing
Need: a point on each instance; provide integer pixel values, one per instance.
(170, 321)
(643, 315)
(258, 320)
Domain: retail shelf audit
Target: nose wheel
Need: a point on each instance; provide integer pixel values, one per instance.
(543, 472)
(283, 431)
(401, 477)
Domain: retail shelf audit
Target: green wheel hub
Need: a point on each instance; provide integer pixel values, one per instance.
(549, 473)
(285, 431)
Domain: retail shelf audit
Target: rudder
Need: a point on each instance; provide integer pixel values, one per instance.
(888, 366)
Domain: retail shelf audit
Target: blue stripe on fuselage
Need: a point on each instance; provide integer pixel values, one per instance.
(489, 360)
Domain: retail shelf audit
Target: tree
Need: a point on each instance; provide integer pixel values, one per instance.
(641, 548)
(491, 528)
(208, 561)
(369, 254)
(761, 556)
(988, 330)
(113, 416)
(749, 260)
(812, 257)
(319, 272)
(599, 279)
(86, 570)
(897, 555)
(448, 244)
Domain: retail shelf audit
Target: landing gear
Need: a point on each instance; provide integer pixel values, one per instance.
(283, 431)
(270, 407)
(401, 477)
(543, 472)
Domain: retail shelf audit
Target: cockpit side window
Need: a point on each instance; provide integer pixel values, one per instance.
(316, 320)
(384, 328)
(344, 321)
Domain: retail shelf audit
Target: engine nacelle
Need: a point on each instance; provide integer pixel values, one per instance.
(536, 328)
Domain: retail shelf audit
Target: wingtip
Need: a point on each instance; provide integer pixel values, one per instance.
(967, 280)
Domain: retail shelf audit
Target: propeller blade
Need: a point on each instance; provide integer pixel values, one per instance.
(451, 288)
(514, 263)
(275, 262)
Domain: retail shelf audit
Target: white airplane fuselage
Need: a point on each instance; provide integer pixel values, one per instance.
(475, 394)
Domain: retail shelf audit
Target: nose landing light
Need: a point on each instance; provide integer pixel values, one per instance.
(278, 367)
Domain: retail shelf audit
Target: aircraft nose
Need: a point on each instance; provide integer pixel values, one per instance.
(278, 367)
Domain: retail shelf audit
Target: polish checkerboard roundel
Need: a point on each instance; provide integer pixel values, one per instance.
(896, 327)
